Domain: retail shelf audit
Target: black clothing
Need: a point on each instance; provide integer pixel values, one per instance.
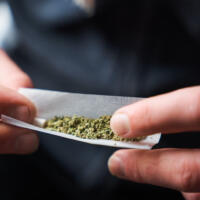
(131, 48)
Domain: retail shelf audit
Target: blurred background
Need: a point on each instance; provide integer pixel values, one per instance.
(8, 33)
(128, 48)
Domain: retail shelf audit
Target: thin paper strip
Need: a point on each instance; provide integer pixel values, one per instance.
(54, 103)
(144, 144)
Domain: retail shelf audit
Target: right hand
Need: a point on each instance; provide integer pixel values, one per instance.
(15, 140)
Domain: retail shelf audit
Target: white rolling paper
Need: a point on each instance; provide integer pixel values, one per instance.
(53, 103)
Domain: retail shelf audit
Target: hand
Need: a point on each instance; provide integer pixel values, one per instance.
(178, 169)
(15, 140)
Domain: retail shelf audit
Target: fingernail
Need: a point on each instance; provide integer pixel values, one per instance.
(26, 143)
(21, 113)
(120, 124)
(116, 167)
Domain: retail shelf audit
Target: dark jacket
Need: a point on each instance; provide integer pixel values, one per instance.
(131, 48)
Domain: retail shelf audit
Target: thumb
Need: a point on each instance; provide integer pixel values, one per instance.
(15, 105)
(12, 139)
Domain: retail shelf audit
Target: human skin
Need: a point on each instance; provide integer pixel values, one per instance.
(15, 140)
(174, 112)
(173, 168)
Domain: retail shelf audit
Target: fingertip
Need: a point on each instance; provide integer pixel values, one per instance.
(16, 105)
(115, 166)
(120, 124)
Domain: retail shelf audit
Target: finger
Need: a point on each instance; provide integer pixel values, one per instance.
(169, 113)
(172, 168)
(12, 139)
(191, 196)
(17, 141)
(15, 105)
(11, 75)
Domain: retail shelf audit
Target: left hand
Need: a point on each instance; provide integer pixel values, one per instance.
(178, 169)
(14, 140)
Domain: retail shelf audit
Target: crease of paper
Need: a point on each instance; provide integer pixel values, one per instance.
(53, 103)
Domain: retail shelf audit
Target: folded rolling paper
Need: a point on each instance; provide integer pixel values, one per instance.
(52, 103)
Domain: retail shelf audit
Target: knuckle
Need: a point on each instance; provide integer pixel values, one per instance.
(185, 175)
(137, 172)
(133, 170)
(24, 80)
(133, 173)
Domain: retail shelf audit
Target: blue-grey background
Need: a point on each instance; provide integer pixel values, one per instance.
(129, 48)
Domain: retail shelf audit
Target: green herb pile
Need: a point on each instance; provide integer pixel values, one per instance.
(86, 128)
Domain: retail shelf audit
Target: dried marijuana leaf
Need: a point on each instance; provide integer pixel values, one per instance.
(86, 128)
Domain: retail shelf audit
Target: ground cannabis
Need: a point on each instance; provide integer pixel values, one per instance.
(86, 128)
